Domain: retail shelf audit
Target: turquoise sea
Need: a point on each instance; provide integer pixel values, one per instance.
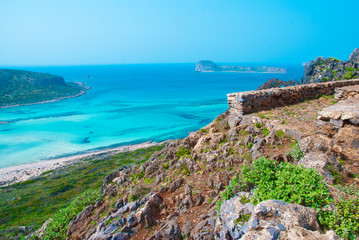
(127, 104)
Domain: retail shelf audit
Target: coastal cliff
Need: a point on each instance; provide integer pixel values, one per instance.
(210, 66)
(19, 87)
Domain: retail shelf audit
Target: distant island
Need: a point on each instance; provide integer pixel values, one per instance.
(210, 66)
(19, 87)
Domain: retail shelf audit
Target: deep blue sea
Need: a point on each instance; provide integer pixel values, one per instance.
(127, 104)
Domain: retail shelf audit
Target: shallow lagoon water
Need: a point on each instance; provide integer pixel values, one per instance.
(127, 104)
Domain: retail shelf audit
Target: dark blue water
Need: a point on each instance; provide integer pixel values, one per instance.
(127, 104)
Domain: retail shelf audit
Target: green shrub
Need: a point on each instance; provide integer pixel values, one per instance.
(344, 220)
(280, 134)
(58, 225)
(182, 151)
(258, 124)
(249, 145)
(203, 130)
(295, 152)
(185, 170)
(348, 75)
(283, 181)
(149, 180)
(265, 131)
(338, 176)
(350, 69)
(325, 79)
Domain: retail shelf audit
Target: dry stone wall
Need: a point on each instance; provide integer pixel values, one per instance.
(242, 103)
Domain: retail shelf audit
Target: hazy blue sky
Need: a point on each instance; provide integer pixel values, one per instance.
(75, 32)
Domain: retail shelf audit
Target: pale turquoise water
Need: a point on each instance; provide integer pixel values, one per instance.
(127, 104)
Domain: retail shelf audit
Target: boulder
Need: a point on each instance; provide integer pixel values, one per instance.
(271, 219)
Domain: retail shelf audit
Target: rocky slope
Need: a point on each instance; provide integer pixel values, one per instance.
(177, 194)
(331, 69)
(210, 66)
(25, 87)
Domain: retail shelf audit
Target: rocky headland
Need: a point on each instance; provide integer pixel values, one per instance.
(282, 170)
(210, 66)
(331, 69)
(19, 87)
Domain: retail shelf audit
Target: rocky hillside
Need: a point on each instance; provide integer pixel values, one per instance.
(275, 174)
(25, 87)
(210, 66)
(331, 69)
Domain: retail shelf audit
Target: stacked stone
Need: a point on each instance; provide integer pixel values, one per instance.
(252, 101)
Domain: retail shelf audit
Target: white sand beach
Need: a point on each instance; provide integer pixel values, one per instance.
(24, 172)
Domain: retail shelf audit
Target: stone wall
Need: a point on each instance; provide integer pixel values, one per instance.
(242, 103)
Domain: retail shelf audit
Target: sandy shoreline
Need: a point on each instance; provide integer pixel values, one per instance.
(20, 173)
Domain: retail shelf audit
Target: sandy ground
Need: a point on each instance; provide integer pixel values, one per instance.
(24, 172)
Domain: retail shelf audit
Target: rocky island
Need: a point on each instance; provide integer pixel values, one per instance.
(19, 87)
(210, 66)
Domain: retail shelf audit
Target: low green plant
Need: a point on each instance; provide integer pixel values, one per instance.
(185, 170)
(242, 219)
(325, 79)
(344, 218)
(166, 165)
(283, 181)
(203, 130)
(244, 200)
(295, 152)
(350, 69)
(224, 140)
(149, 180)
(348, 75)
(258, 124)
(206, 150)
(249, 145)
(231, 151)
(57, 227)
(334, 170)
(137, 176)
(265, 131)
(182, 151)
(280, 134)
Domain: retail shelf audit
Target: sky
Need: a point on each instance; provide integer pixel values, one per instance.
(89, 32)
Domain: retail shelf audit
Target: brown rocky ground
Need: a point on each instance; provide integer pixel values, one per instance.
(173, 195)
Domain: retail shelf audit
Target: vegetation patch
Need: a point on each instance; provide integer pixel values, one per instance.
(182, 151)
(344, 219)
(57, 226)
(32, 202)
(283, 181)
(295, 153)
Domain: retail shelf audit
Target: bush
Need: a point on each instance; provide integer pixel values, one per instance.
(344, 220)
(295, 153)
(182, 151)
(58, 225)
(348, 75)
(283, 181)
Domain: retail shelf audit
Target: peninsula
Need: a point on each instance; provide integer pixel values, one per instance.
(210, 66)
(19, 87)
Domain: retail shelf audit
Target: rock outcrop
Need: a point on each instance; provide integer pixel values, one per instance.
(331, 69)
(270, 219)
(354, 57)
